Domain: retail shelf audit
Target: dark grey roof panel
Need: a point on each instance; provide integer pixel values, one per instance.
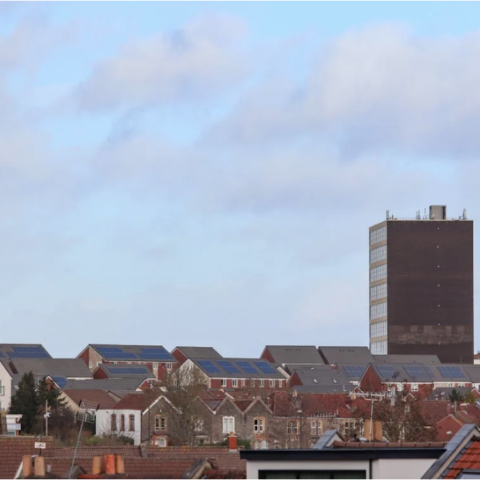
(55, 367)
(110, 384)
(200, 352)
(346, 355)
(408, 359)
(294, 354)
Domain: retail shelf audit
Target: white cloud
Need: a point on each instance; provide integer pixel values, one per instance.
(200, 59)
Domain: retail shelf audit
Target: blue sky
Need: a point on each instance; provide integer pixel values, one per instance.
(205, 173)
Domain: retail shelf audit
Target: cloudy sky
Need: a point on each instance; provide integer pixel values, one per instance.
(206, 173)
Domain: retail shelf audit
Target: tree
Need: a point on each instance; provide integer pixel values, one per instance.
(402, 419)
(48, 393)
(470, 397)
(455, 397)
(184, 410)
(26, 402)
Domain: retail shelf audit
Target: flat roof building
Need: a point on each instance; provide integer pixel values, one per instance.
(421, 286)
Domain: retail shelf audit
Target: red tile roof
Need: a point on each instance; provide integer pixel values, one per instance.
(135, 401)
(469, 460)
(100, 397)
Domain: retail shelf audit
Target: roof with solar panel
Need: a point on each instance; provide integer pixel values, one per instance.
(237, 368)
(133, 353)
(121, 371)
(13, 350)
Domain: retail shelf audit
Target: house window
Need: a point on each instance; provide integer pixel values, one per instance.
(313, 427)
(175, 382)
(258, 424)
(414, 387)
(280, 383)
(99, 363)
(160, 423)
(292, 427)
(113, 422)
(198, 425)
(162, 442)
(90, 364)
(234, 382)
(228, 424)
(252, 382)
(449, 385)
(244, 382)
(115, 363)
(169, 366)
(461, 385)
(224, 382)
(155, 366)
(131, 426)
(264, 445)
(122, 423)
(261, 383)
(272, 383)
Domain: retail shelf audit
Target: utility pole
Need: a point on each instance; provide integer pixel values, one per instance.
(47, 414)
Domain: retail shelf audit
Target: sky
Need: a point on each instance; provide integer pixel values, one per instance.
(205, 173)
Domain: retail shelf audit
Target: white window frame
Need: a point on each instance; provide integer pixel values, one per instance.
(414, 387)
(234, 382)
(262, 383)
(162, 442)
(155, 366)
(272, 383)
(169, 366)
(228, 425)
(90, 364)
(313, 427)
(224, 382)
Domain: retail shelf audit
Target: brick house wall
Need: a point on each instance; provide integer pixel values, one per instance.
(370, 382)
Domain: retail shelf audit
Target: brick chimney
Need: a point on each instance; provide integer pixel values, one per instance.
(232, 442)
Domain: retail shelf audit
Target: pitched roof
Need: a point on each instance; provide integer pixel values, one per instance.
(23, 350)
(473, 372)
(200, 352)
(346, 355)
(363, 445)
(54, 367)
(101, 397)
(467, 459)
(237, 368)
(323, 378)
(123, 371)
(134, 353)
(110, 384)
(135, 401)
(397, 358)
(294, 354)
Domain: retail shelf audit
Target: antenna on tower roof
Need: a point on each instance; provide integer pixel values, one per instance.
(464, 216)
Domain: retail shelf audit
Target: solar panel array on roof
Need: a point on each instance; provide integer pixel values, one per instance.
(28, 352)
(135, 353)
(228, 366)
(247, 367)
(208, 366)
(265, 367)
(2, 355)
(417, 372)
(354, 370)
(451, 372)
(60, 381)
(387, 371)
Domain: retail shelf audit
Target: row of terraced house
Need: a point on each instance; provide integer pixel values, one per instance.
(287, 397)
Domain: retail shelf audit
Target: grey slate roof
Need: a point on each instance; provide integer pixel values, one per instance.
(346, 355)
(408, 359)
(200, 352)
(294, 354)
(323, 378)
(110, 384)
(473, 372)
(442, 393)
(55, 367)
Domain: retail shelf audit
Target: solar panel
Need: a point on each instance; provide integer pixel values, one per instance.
(265, 367)
(387, 371)
(354, 370)
(60, 381)
(208, 366)
(42, 354)
(2, 355)
(109, 350)
(247, 367)
(228, 366)
(28, 349)
(450, 372)
(417, 372)
(428, 370)
(155, 356)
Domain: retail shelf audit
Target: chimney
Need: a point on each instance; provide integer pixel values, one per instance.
(232, 442)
